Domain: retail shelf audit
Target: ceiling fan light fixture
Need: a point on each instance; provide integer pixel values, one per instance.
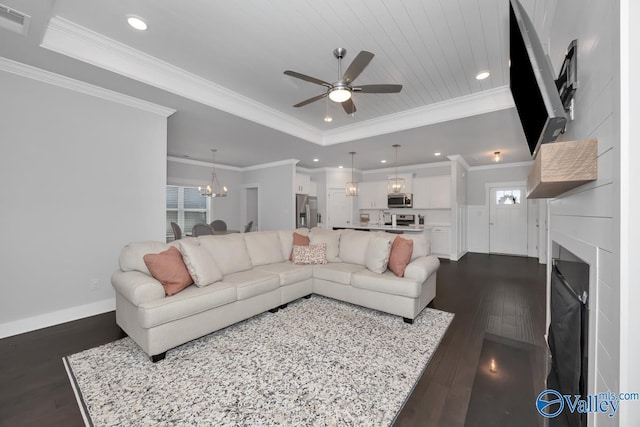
(340, 94)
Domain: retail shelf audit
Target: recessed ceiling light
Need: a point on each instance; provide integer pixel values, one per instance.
(137, 23)
(316, 160)
(383, 161)
(437, 154)
(340, 167)
(482, 75)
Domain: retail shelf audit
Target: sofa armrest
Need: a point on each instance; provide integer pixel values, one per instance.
(137, 287)
(421, 268)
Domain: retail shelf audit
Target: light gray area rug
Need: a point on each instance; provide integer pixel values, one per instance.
(317, 362)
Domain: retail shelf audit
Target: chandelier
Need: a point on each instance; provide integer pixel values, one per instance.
(352, 187)
(214, 189)
(396, 185)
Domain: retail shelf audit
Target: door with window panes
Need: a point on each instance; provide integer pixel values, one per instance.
(186, 207)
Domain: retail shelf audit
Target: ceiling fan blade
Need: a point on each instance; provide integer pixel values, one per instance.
(356, 67)
(349, 106)
(378, 88)
(310, 100)
(307, 78)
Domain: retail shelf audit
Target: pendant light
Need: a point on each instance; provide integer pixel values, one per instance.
(214, 189)
(352, 187)
(396, 185)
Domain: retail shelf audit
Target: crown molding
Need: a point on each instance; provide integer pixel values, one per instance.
(407, 168)
(193, 162)
(271, 165)
(501, 166)
(38, 74)
(70, 39)
(67, 38)
(465, 106)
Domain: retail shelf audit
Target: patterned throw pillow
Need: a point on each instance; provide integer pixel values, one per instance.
(298, 240)
(312, 254)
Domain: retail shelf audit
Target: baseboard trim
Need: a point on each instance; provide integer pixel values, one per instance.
(56, 317)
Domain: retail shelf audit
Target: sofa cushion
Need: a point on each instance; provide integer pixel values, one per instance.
(377, 255)
(332, 240)
(168, 268)
(252, 282)
(339, 272)
(190, 301)
(387, 283)
(400, 257)
(199, 262)
(263, 247)
(421, 245)
(353, 246)
(289, 273)
(131, 256)
(299, 240)
(229, 252)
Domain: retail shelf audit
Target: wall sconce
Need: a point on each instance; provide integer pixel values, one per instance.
(492, 368)
(496, 156)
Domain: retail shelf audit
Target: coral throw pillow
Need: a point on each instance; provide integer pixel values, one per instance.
(168, 268)
(400, 256)
(298, 240)
(312, 254)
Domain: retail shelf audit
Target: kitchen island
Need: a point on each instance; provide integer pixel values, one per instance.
(399, 229)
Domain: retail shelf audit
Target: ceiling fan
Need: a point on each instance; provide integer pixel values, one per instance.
(342, 90)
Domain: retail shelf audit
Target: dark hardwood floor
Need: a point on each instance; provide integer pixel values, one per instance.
(500, 295)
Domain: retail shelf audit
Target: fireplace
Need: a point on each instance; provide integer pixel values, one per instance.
(569, 332)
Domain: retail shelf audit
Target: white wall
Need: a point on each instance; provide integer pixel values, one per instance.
(587, 219)
(276, 195)
(81, 177)
(195, 173)
(630, 205)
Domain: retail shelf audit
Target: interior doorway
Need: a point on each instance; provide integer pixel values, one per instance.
(339, 208)
(508, 220)
(252, 206)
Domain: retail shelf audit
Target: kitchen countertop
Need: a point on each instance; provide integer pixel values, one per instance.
(404, 228)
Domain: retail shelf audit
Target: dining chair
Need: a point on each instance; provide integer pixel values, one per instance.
(201, 229)
(247, 228)
(219, 225)
(177, 231)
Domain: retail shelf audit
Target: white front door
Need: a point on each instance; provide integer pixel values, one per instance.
(339, 209)
(508, 220)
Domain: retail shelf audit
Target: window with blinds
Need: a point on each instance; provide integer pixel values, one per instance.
(186, 207)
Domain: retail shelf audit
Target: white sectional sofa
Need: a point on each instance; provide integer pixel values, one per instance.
(238, 276)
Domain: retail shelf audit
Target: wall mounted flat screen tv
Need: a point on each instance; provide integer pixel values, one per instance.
(532, 84)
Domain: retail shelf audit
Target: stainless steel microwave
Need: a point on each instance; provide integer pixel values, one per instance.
(400, 200)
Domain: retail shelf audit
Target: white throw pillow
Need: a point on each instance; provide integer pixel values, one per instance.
(377, 256)
(353, 246)
(264, 247)
(199, 262)
(331, 238)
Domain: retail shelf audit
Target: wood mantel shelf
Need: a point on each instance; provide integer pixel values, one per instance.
(561, 166)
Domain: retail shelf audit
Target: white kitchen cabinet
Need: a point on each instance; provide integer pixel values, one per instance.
(432, 192)
(421, 193)
(440, 244)
(313, 189)
(372, 195)
(303, 182)
(439, 192)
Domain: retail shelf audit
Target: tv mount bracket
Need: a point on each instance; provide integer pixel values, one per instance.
(567, 81)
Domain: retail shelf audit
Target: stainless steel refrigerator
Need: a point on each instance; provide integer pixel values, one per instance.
(306, 211)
